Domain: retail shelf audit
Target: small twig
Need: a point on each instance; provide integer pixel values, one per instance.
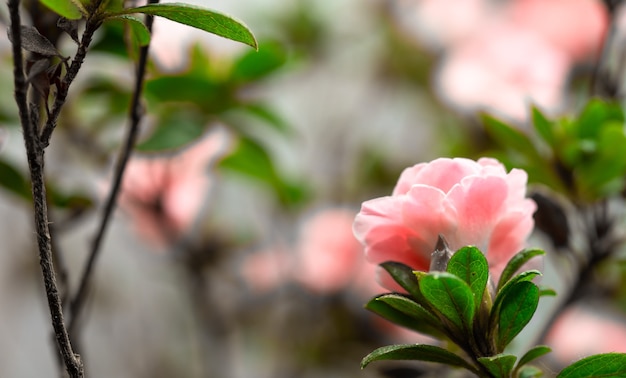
(35, 156)
(135, 117)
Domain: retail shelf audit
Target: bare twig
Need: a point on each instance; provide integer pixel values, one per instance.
(135, 117)
(35, 157)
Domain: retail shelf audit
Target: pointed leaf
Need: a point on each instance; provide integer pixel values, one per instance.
(518, 307)
(412, 322)
(510, 137)
(499, 366)
(533, 354)
(451, 296)
(197, 17)
(470, 265)
(33, 41)
(609, 365)
(416, 352)
(405, 277)
(65, 8)
(516, 263)
(543, 127)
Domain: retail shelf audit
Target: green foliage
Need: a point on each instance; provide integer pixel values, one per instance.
(581, 157)
(499, 366)
(72, 10)
(516, 263)
(419, 352)
(139, 31)
(455, 306)
(609, 365)
(197, 17)
(452, 297)
(469, 264)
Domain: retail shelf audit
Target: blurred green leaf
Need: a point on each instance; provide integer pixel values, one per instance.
(66, 8)
(594, 115)
(529, 371)
(533, 354)
(204, 92)
(12, 180)
(174, 130)
(418, 320)
(416, 352)
(470, 265)
(517, 309)
(516, 263)
(197, 17)
(268, 115)
(609, 365)
(255, 65)
(509, 136)
(543, 127)
(452, 297)
(500, 366)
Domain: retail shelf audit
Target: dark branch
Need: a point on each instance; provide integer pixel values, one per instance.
(131, 138)
(35, 156)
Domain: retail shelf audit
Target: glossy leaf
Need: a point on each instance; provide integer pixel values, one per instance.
(609, 365)
(533, 354)
(420, 321)
(197, 17)
(470, 265)
(517, 309)
(416, 352)
(500, 366)
(451, 296)
(404, 276)
(516, 263)
(65, 8)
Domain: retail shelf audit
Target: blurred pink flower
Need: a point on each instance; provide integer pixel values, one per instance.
(266, 270)
(329, 258)
(576, 27)
(163, 195)
(468, 202)
(580, 332)
(503, 69)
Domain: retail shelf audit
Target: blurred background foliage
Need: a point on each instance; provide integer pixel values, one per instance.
(340, 97)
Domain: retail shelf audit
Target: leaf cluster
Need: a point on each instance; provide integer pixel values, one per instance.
(579, 156)
(459, 307)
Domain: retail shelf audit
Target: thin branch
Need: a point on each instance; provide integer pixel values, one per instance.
(93, 23)
(35, 156)
(135, 115)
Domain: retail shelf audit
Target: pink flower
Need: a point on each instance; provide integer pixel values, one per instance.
(329, 258)
(580, 332)
(490, 71)
(468, 202)
(164, 195)
(265, 270)
(577, 27)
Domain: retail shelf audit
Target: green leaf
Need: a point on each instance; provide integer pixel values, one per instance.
(405, 277)
(417, 352)
(418, 320)
(470, 265)
(543, 127)
(174, 130)
(452, 297)
(546, 291)
(256, 65)
(516, 263)
(595, 113)
(529, 371)
(533, 354)
(269, 116)
(140, 32)
(609, 365)
(517, 309)
(509, 137)
(65, 8)
(197, 17)
(13, 181)
(500, 366)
